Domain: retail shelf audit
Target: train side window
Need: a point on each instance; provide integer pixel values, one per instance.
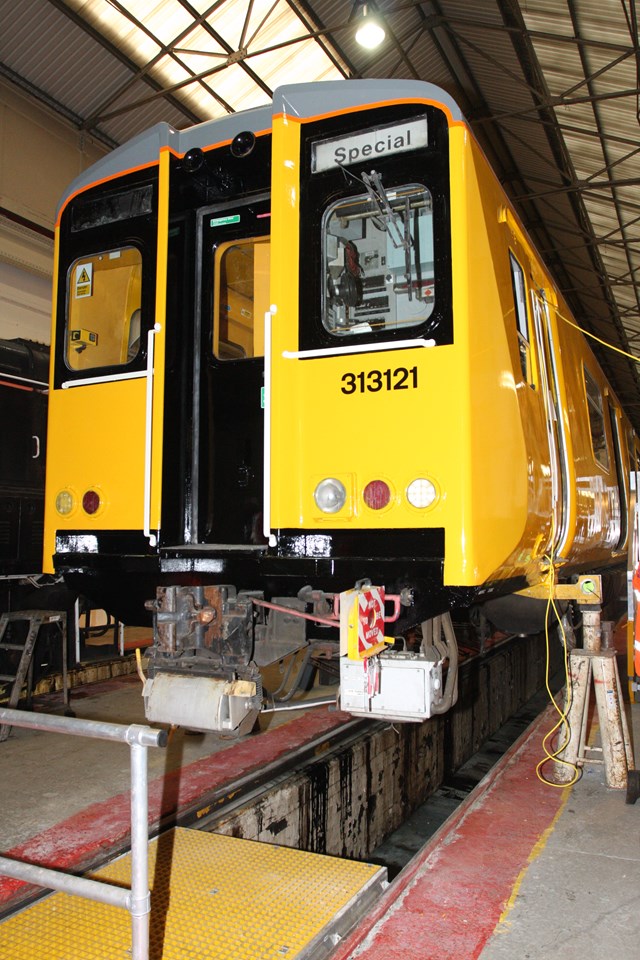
(241, 298)
(104, 297)
(378, 261)
(595, 406)
(520, 301)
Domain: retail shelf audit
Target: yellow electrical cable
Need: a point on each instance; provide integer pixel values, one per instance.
(603, 343)
(563, 720)
(139, 666)
(172, 728)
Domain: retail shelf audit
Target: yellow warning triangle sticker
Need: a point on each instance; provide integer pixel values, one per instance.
(84, 277)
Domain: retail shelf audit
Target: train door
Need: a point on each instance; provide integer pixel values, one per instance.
(105, 409)
(549, 380)
(229, 367)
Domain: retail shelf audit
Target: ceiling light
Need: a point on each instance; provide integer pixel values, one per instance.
(369, 32)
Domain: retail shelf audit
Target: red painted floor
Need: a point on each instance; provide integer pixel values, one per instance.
(447, 902)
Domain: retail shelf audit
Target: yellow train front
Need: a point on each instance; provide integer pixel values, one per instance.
(304, 348)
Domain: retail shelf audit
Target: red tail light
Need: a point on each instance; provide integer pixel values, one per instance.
(377, 494)
(91, 501)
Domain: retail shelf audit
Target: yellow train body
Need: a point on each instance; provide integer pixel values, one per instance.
(473, 425)
(501, 413)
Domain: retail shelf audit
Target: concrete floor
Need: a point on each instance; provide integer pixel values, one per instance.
(578, 897)
(51, 776)
(46, 778)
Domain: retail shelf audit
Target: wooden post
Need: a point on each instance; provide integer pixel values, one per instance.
(591, 634)
(616, 745)
(617, 754)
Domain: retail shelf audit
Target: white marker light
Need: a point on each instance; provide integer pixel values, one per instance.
(421, 493)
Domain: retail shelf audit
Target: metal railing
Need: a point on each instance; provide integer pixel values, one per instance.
(137, 900)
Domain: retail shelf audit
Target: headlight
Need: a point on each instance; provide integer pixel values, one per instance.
(65, 503)
(421, 493)
(330, 495)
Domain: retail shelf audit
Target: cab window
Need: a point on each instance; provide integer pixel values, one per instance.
(103, 309)
(241, 298)
(378, 260)
(595, 405)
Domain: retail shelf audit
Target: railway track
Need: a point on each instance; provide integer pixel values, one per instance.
(347, 792)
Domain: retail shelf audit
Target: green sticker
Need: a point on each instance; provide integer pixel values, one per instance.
(224, 221)
(262, 397)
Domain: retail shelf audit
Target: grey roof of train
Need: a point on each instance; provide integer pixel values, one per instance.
(146, 147)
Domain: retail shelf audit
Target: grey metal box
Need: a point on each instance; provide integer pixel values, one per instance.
(408, 686)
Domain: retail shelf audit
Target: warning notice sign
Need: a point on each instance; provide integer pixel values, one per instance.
(84, 280)
(362, 620)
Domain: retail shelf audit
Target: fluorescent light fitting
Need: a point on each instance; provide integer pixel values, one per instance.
(369, 33)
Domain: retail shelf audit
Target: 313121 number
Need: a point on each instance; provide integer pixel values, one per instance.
(374, 380)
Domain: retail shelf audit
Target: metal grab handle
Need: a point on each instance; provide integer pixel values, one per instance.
(36, 455)
(137, 899)
(148, 435)
(266, 475)
(395, 599)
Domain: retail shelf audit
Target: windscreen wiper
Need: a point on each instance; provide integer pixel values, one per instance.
(396, 225)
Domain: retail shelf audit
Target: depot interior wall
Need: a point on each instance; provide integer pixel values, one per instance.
(40, 153)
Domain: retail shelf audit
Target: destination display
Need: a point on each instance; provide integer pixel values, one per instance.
(368, 144)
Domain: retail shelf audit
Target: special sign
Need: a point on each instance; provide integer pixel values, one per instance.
(368, 144)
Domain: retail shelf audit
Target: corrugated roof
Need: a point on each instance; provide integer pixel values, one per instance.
(549, 86)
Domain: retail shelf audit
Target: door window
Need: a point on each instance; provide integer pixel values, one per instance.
(104, 296)
(522, 323)
(241, 298)
(595, 406)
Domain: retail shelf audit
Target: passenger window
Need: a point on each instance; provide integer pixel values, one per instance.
(241, 298)
(522, 323)
(103, 309)
(378, 260)
(595, 406)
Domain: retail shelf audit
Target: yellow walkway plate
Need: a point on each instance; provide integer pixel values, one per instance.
(213, 898)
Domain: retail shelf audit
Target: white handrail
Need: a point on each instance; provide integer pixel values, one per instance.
(107, 378)
(266, 476)
(357, 348)
(148, 435)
